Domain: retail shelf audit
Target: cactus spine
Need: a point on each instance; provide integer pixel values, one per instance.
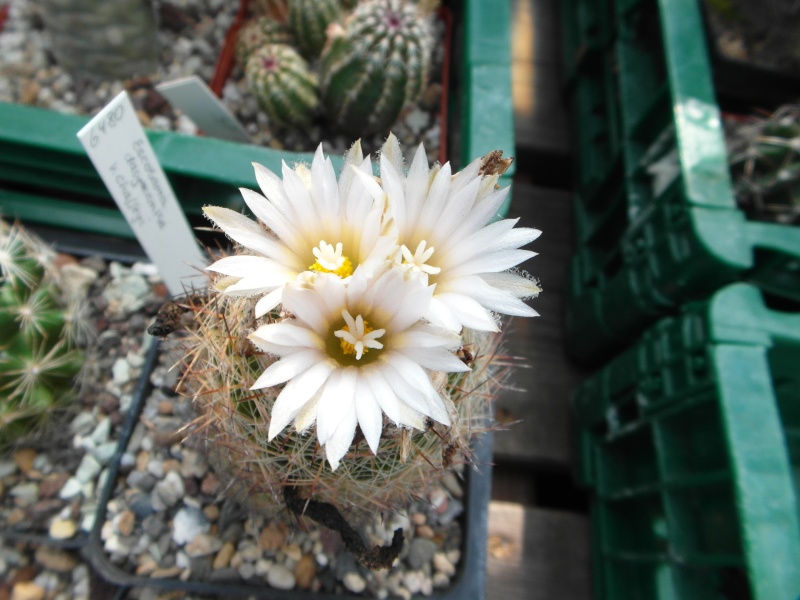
(38, 353)
(309, 21)
(283, 85)
(377, 64)
(258, 33)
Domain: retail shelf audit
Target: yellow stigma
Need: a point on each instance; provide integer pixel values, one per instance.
(330, 259)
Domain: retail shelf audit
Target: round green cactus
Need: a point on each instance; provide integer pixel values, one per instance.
(38, 354)
(376, 64)
(284, 86)
(221, 365)
(257, 33)
(309, 21)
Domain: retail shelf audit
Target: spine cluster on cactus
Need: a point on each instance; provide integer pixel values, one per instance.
(283, 84)
(39, 357)
(258, 33)
(765, 165)
(221, 365)
(309, 21)
(376, 64)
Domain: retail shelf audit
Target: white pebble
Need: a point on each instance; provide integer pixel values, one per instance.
(263, 566)
(160, 123)
(121, 371)
(247, 570)
(354, 582)
(442, 564)
(280, 578)
(7, 467)
(88, 469)
(249, 552)
(188, 524)
(413, 581)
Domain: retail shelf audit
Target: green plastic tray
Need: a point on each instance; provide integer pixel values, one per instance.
(46, 178)
(656, 220)
(690, 441)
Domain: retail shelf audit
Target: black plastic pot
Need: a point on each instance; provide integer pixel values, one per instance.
(469, 581)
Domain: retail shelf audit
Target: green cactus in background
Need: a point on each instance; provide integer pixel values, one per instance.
(283, 85)
(765, 165)
(102, 40)
(257, 33)
(376, 64)
(309, 21)
(39, 329)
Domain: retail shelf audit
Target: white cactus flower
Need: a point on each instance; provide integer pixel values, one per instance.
(446, 236)
(352, 353)
(313, 223)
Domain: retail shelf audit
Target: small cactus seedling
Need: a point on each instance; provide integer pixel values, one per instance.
(309, 21)
(38, 354)
(258, 33)
(283, 85)
(765, 165)
(376, 64)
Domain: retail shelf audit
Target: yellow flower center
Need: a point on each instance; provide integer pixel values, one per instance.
(357, 337)
(330, 259)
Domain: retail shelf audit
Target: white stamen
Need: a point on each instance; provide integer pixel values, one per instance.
(416, 261)
(327, 256)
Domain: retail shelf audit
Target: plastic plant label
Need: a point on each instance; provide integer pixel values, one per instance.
(194, 98)
(120, 151)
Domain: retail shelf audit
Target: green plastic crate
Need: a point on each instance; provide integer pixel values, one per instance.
(690, 441)
(587, 31)
(656, 219)
(46, 178)
(482, 93)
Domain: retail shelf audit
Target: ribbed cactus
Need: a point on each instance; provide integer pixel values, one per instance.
(284, 86)
(38, 353)
(376, 64)
(257, 33)
(765, 165)
(309, 21)
(221, 367)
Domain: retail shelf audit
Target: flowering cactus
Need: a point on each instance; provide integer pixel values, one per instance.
(283, 85)
(376, 64)
(309, 20)
(39, 330)
(348, 349)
